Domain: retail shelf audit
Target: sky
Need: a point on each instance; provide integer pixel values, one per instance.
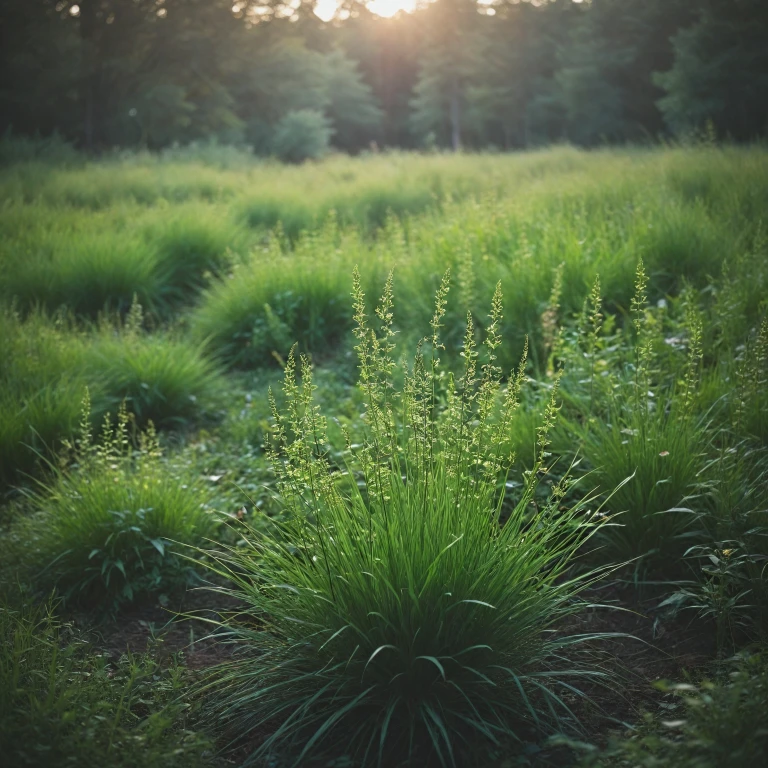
(326, 8)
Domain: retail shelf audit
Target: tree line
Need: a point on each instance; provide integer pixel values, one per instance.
(474, 73)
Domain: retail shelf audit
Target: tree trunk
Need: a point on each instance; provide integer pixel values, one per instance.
(91, 67)
(455, 117)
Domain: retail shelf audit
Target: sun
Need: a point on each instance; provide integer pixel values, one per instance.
(325, 9)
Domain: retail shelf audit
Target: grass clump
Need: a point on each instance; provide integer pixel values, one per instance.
(40, 391)
(86, 272)
(193, 244)
(256, 314)
(394, 616)
(647, 435)
(62, 704)
(109, 531)
(163, 379)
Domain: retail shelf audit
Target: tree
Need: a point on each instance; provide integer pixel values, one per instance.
(303, 134)
(351, 107)
(720, 71)
(441, 91)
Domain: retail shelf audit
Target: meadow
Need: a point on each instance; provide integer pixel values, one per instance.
(399, 460)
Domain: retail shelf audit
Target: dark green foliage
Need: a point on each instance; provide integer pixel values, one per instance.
(712, 724)
(63, 704)
(109, 530)
(720, 72)
(450, 74)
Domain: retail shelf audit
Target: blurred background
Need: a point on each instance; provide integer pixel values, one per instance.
(294, 79)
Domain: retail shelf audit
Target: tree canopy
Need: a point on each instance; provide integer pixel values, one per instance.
(500, 73)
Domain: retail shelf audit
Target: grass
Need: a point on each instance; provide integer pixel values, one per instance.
(63, 703)
(396, 610)
(108, 532)
(49, 362)
(709, 724)
(178, 284)
(87, 273)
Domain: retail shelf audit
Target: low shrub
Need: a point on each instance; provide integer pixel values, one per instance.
(109, 530)
(391, 617)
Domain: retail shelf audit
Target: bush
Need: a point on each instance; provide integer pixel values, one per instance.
(110, 530)
(62, 704)
(302, 134)
(393, 616)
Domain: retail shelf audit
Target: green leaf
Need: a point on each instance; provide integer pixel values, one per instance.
(158, 545)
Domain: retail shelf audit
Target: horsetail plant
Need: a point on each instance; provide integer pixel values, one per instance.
(395, 615)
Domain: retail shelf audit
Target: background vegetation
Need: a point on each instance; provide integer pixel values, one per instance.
(275, 77)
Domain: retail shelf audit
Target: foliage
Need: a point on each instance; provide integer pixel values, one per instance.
(162, 378)
(707, 81)
(716, 724)
(650, 434)
(109, 530)
(39, 392)
(62, 703)
(88, 273)
(393, 608)
(52, 150)
(303, 134)
(451, 72)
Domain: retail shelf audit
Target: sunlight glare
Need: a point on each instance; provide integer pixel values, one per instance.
(325, 9)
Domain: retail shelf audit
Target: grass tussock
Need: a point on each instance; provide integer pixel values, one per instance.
(109, 531)
(396, 612)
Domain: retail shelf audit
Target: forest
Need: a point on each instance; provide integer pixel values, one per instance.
(275, 77)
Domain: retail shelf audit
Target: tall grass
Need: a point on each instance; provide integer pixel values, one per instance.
(162, 378)
(48, 363)
(568, 222)
(392, 615)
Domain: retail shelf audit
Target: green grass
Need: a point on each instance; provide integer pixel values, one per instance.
(62, 703)
(49, 362)
(108, 532)
(395, 613)
(715, 723)
(178, 284)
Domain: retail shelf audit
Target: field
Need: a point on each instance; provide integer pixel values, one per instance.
(399, 460)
